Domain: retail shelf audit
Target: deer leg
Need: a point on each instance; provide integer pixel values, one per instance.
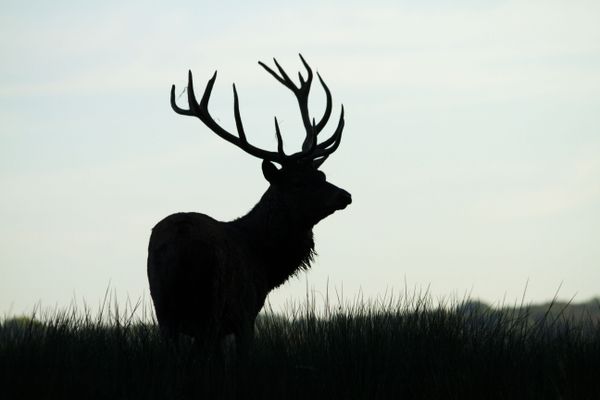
(244, 339)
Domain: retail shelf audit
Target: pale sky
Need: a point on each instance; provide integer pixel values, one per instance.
(471, 147)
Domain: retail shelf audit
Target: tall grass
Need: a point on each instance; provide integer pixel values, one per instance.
(387, 348)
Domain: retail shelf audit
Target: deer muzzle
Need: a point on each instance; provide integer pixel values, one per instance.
(343, 199)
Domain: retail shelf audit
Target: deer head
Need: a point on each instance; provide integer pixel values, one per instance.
(298, 185)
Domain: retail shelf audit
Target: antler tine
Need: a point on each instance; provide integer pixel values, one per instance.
(317, 162)
(274, 74)
(237, 116)
(203, 106)
(288, 82)
(327, 147)
(279, 139)
(309, 73)
(174, 105)
(311, 141)
(319, 127)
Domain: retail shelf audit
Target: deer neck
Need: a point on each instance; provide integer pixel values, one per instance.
(284, 246)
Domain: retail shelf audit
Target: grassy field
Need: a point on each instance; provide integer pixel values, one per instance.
(382, 350)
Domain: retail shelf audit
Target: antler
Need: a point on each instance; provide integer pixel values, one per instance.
(311, 150)
(200, 110)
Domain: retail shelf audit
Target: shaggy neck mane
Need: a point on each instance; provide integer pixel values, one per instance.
(283, 245)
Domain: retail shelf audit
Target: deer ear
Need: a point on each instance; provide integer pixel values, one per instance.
(270, 171)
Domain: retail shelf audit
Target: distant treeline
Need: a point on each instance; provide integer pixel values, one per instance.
(558, 311)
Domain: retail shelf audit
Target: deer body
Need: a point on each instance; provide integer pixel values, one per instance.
(219, 273)
(210, 278)
(201, 277)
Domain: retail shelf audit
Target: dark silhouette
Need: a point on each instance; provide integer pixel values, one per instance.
(210, 278)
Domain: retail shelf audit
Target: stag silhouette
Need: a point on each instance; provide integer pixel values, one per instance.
(210, 278)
